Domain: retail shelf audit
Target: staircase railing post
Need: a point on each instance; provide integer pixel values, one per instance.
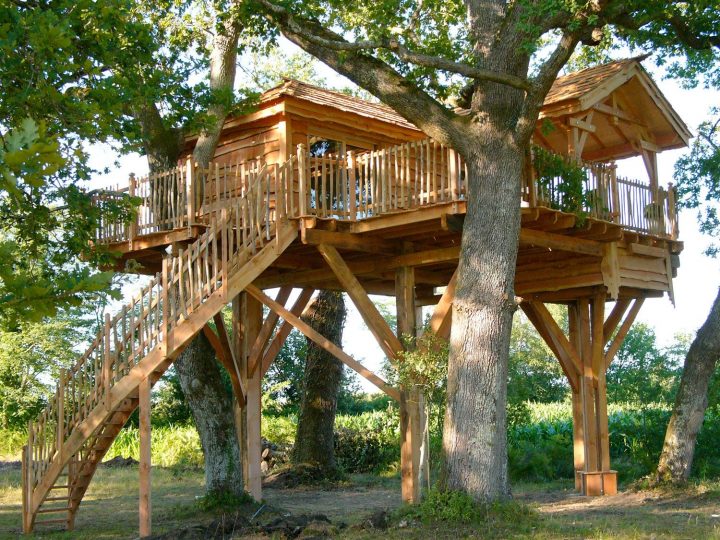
(107, 362)
(60, 434)
(132, 190)
(224, 249)
(190, 191)
(166, 305)
(302, 174)
(352, 181)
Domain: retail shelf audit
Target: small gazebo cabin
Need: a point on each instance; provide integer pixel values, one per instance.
(317, 189)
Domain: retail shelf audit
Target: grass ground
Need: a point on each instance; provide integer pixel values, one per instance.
(545, 511)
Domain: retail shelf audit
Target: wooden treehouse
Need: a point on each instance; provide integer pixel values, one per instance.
(317, 189)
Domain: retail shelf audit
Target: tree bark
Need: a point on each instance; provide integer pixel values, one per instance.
(314, 443)
(197, 368)
(687, 417)
(211, 408)
(474, 435)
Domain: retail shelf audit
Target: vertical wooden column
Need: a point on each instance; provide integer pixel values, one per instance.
(577, 403)
(145, 460)
(247, 320)
(414, 463)
(590, 421)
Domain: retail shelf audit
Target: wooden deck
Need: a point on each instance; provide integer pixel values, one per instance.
(379, 206)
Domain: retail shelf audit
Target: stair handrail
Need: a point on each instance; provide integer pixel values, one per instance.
(246, 224)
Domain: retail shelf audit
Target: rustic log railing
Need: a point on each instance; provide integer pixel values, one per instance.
(605, 196)
(359, 185)
(238, 228)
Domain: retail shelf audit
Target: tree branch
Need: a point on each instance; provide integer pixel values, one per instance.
(437, 62)
(542, 82)
(373, 74)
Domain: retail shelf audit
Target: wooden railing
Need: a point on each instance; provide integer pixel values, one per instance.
(605, 196)
(243, 225)
(359, 185)
(366, 184)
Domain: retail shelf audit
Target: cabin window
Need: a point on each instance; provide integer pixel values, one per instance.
(321, 147)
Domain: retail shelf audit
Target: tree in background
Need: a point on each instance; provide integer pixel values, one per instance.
(29, 358)
(322, 378)
(642, 372)
(698, 177)
(497, 60)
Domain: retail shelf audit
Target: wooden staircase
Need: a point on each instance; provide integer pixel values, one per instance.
(94, 398)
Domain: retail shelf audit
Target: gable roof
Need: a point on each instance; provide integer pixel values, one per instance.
(579, 83)
(337, 100)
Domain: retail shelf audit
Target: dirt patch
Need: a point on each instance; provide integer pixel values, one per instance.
(351, 505)
(119, 462)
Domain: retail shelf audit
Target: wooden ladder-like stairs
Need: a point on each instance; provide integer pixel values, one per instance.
(95, 398)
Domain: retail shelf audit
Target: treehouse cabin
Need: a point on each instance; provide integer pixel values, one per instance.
(317, 189)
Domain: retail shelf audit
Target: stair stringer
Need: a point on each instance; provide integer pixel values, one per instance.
(157, 361)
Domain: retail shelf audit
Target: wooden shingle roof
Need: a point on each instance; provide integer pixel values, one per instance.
(577, 84)
(337, 100)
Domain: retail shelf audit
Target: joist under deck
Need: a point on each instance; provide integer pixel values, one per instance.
(558, 258)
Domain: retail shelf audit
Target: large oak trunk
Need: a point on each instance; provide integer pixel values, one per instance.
(474, 437)
(691, 401)
(322, 379)
(212, 410)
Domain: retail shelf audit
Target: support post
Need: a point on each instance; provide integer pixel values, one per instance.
(413, 455)
(145, 460)
(247, 319)
(577, 404)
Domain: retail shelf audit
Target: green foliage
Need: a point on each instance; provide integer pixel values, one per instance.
(367, 443)
(561, 182)
(424, 364)
(30, 358)
(223, 500)
(644, 373)
(456, 507)
(698, 177)
(172, 446)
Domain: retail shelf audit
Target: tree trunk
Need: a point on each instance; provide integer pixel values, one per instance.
(474, 436)
(691, 401)
(211, 408)
(322, 379)
(197, 368)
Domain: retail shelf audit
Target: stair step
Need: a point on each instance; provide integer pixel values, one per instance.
(52, 510)
(60, 487)
(49, 499)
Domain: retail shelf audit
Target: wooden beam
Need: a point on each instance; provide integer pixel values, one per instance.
(145, 510)
(303, 300)
(256, 352)
(560, 242)
(323, 342)
(553, 335)
(349, 241)
(441, 320)
(647, 251)
(388, 342)
(226, 357)
(622, 332)
(614, 318)
(598, 361)
(577, 404)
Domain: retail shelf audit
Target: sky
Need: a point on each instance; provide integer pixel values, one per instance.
(695, 286)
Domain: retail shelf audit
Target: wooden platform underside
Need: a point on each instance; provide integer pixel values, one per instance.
(559, 257)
